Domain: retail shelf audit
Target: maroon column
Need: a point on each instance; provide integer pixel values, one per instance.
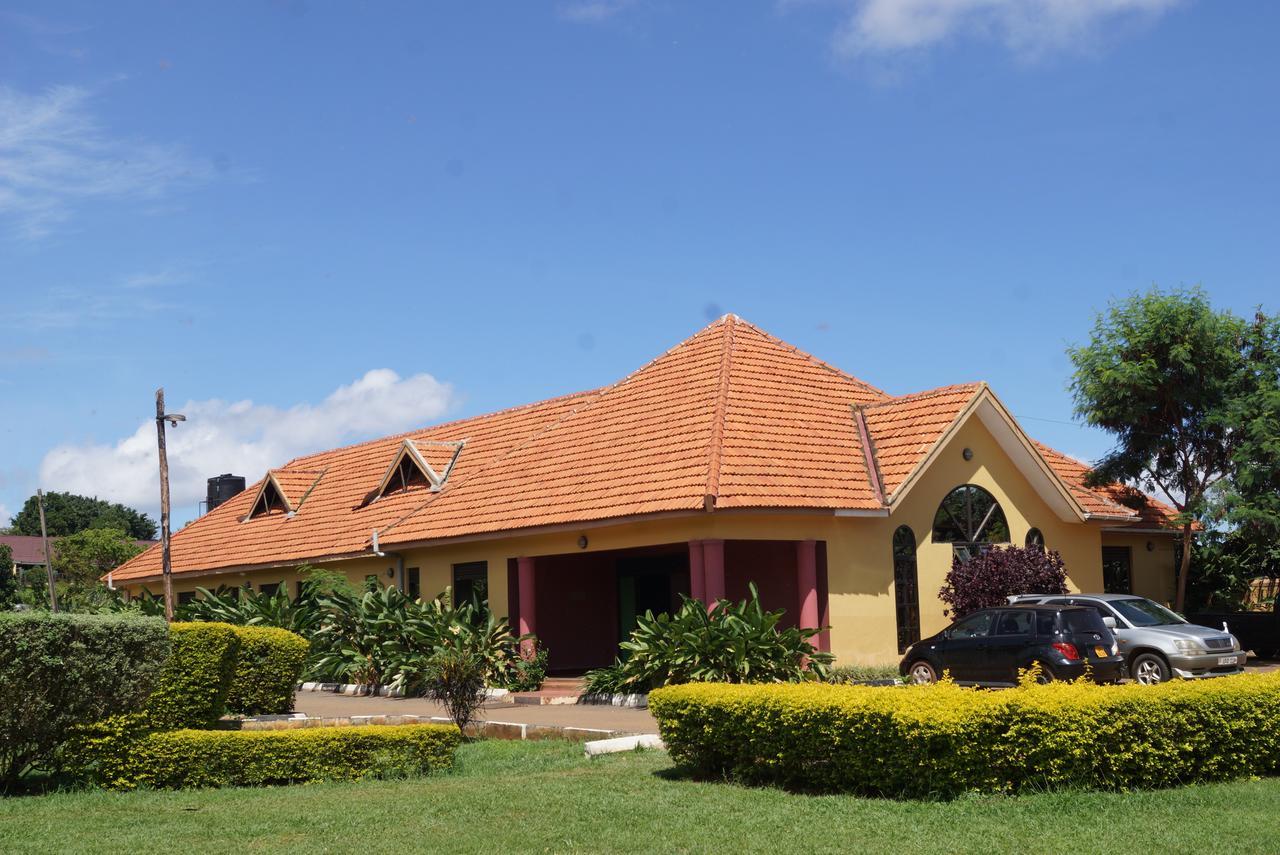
(697, 578)
(807, 582)
(713, 570)
(528, 601)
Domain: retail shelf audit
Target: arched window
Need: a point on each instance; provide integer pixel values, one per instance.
(1035, 540)
(906, 588)
(970, 519)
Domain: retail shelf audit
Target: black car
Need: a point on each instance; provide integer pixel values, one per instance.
(989, 647)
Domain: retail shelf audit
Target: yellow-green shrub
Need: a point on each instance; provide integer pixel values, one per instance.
(192, 691)
(925, 741)
(180, 759)
(267, 670)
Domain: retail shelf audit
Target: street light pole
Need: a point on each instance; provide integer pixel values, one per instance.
(166, 562)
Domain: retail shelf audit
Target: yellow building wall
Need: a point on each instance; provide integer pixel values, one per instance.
(1153, 570)
(859, 549)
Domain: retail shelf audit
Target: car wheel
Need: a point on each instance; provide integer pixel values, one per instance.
(1148, 669)
(922, 673)
(1043, 674)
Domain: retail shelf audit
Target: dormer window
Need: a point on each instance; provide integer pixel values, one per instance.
(412, 467)
(269, 499)
(283, 491)
(407, 474)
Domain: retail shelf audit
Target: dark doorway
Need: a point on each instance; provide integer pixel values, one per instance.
(649, 583)
(1117, 570)
(587, 602)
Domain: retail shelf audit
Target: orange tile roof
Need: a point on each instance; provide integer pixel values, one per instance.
(904, 429)
(730, 418)
(1112, 500)
(297, 484)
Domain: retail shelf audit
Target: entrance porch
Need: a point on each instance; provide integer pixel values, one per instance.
(580, 605)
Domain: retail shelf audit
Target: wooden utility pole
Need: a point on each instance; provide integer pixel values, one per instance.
(167, 565)
(48, 556)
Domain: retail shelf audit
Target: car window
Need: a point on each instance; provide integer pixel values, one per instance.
(1082, 620)
(974, 626)
(1015, 623)
(1044, 623)
(1101, 609)
(1143, 612)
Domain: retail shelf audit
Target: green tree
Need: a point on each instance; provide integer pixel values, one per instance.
(85, 557)
(1167, 376)
(1252, 498)
(67, 513)
(8, 581)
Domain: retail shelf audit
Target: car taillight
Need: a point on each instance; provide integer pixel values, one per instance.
(1067, 650)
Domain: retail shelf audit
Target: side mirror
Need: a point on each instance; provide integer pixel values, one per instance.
(1109, 622)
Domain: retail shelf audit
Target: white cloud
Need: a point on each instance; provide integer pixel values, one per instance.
(155, 278)
(53, 156)
(244, 438)
(1028, 28)
(592, 10)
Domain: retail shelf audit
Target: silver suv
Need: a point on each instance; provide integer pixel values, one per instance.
(1157, 644)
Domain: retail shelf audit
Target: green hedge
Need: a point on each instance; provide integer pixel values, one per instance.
(197, 676)
(931, 741)
(59, 671)
(182, 759)
(267, 670)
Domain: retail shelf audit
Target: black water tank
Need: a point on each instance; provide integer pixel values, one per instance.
(222, 488)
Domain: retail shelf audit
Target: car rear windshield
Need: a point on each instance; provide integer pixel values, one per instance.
(1082, 620)
(1143, 612)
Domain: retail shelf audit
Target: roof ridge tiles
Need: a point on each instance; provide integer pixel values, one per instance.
(804, 354)
(911, 397)
(715, 447)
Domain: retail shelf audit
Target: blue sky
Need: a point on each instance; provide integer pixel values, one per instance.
(318, 222)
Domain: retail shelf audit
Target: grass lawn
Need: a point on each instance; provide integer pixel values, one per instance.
(544, 796)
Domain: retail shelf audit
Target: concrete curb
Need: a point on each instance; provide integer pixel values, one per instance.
(358, 690)
(634, 702)
(622, 743)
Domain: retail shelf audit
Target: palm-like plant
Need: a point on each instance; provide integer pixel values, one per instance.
(361, 639)
(732, 643)
(441, 625)
(378, 637)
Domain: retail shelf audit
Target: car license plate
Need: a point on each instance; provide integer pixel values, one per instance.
(1228, 660)
(1100, 652)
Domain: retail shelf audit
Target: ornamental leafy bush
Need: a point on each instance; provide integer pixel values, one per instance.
(268, 666)
(247, 607)
(182, 759)
(376, 637)
(455, 678)
(943, 740)
(193, 686)
(59, 671)
(987, 580)
(733, 643)
(384, 638)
